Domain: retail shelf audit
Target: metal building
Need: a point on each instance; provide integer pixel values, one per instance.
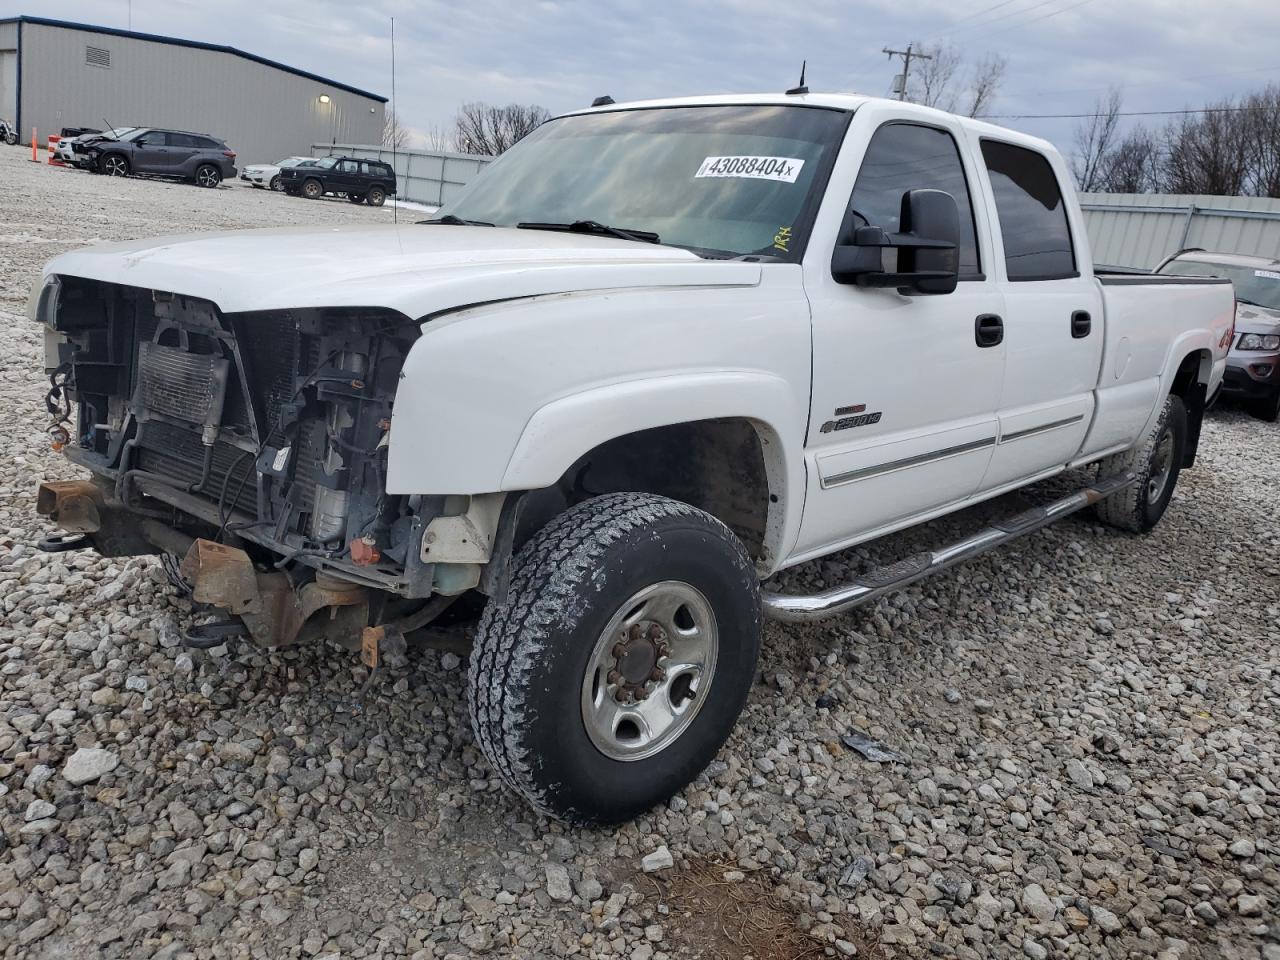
(55, 74)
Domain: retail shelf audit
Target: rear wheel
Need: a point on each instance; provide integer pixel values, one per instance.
(1157, 461)
(620, 659)
(356, 197)
(275, 183)
(312, 190)
(377, 196)
(207, 175)
(114, 165)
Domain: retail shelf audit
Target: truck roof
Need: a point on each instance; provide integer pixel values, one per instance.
(837, 101)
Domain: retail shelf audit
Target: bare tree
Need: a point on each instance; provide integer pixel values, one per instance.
(988, 74)
(1209, 152)
(438, 139)
(488, 130)
(1133, 165)
(1262, 123)
(1094, 139)
(932, 82)
(943, 81)
(393, 134)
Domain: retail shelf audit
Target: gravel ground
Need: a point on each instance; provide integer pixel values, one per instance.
(1083, 732)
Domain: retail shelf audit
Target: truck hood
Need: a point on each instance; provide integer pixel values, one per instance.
(416, 269)
(1251, 319)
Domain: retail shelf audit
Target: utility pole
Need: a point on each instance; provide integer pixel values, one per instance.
(906, 56)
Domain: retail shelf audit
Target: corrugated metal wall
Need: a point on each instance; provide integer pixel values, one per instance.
(9, 71)
(422, 176)
(1141, 229)
(263, 113)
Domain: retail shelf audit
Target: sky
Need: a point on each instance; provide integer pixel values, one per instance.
(1062, 54)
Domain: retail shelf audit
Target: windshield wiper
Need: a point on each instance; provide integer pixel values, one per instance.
(592, 226)
(450, 220)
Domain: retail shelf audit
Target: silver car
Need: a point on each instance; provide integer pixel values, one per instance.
(1253, 365)
(267, 175)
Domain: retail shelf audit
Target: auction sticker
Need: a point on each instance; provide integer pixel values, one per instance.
(785, 169)
(1267, 274)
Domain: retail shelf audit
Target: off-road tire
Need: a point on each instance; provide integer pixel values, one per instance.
(1133, 508)
(1268, 408)
(274, 183)
(312, 190)
(532, 650)
(376, 196)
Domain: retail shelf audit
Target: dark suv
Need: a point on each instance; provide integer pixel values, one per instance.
(368, 181)
(198, 157)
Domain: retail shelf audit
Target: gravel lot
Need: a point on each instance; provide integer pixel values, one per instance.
(1089, 758)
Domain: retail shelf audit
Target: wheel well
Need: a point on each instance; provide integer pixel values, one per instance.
(715, 465)
(1191, 383)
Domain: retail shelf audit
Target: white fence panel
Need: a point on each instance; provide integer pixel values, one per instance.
(1141, 229)
(422, 176)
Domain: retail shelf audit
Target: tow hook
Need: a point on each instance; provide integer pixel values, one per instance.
(379, 645)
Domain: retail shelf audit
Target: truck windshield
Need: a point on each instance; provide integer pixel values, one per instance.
(721, 181)
(1260, 287)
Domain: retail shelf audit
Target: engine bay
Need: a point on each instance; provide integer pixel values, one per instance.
(266, 430)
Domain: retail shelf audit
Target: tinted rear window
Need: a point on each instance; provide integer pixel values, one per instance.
(1033, 215)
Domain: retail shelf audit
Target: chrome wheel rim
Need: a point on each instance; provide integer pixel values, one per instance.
(650, 671)
(207, 177)
(1161, 466)
(115, 167)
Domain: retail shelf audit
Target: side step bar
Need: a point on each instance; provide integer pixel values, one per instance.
(874, 585)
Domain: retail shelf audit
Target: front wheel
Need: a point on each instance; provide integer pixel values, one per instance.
(275, 183)
(114, 165)
(1157, 461)
(11, 137)
(312, 190)
(620, 659)
(208, 176)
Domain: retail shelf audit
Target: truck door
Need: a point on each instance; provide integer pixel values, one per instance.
(1053, 316)
(903, 414)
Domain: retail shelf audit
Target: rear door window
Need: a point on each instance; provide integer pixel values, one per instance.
(907, 156)
(1032, 212)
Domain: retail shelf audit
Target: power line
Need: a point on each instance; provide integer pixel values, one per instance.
(1122, 113)
(956, 24)
(997, 19)
(1044, 16)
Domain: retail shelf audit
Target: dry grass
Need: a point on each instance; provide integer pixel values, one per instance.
(715, 919)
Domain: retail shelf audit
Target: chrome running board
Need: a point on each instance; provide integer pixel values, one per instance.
(789, 608)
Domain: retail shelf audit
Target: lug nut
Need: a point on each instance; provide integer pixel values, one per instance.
(614, 677)
(619, 649)
(658, 674)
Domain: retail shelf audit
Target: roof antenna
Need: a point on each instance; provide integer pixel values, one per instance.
(801, 88)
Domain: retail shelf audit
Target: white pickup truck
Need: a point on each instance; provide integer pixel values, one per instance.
(654, 354)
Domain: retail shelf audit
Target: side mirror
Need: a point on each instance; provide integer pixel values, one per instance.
(140, 143)
(928, 248)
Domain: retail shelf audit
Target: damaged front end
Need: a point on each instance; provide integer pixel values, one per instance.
(252, 445)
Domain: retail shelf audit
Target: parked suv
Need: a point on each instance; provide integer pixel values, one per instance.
(371, 181)
(1253, 366)
(198, 157)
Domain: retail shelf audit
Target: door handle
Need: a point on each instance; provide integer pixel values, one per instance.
(1081, 324)
(988, 330)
